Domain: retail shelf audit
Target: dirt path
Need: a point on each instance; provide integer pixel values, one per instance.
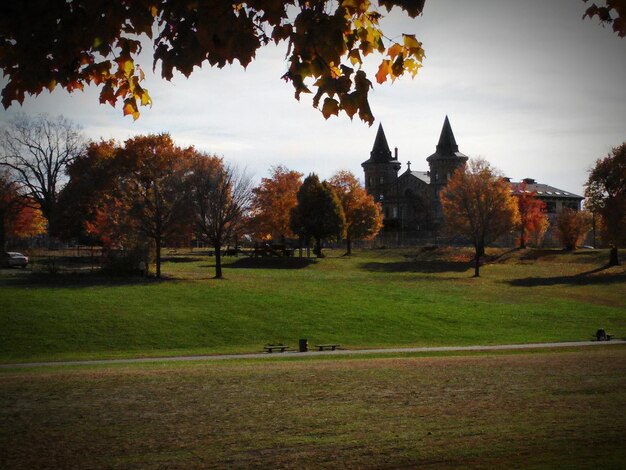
(341, 352)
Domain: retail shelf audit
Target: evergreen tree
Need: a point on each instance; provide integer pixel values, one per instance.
(319, 214)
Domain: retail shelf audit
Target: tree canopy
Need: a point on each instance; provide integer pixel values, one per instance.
(533, 220)
(613, 13)
(572, 227)
(45, 44)
(37, 151)
(220, 198)
(364, 217)
(605, 191)
(272, 202)
(319, 214)
(477, 203)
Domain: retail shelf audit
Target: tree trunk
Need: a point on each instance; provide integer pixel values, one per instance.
(157, 242)
(318, 248)
(613, 256)
(348, 245)
(479, 252)
(218, 260)
(522, 238)
(2, 233)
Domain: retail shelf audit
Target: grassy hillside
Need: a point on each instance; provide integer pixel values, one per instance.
(377, 298)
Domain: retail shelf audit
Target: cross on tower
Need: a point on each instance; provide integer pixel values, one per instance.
(408, 164)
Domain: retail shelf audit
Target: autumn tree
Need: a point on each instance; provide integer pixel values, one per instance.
(572, 226)
(75, 43)
(477, 203)
(127, 195)
(151, 186)
(319, 214)
(272, 203)
(605, 191)
(220, 198)
(364, 217)
(532, 214)
(610, 12)
(84, 201)
(37, 152)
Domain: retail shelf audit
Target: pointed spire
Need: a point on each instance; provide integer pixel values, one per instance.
(380, 151)
(447, 143)
(447, 146)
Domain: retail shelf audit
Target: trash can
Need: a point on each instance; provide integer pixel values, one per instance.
(303, 345)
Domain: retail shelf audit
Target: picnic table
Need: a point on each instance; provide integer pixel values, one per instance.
(269, 348)
(332, 346)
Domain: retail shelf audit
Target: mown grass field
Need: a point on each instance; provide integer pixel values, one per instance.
(532, 410)
(377, 298)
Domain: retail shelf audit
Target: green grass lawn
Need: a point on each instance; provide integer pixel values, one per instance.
(526, 410)
(377, 298)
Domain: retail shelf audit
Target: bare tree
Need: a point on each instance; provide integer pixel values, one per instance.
(220, 197)
(37, 151)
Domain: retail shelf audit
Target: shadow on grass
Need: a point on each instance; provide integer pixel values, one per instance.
(585, 278)
(182, 259)
(39, 280)
(271, 263)
(417, 267)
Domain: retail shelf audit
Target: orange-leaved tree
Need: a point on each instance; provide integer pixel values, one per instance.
(28, 222)
(364, 217)
(477, 204)
(151, 182)
(129, 195)
(533, 221)
(272, 202)
(572, 226)
(85, 200)
(80, 42)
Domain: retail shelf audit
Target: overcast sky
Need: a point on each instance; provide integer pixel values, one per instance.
(528, 85)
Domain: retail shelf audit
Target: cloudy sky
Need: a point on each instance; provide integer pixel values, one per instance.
(528, 85)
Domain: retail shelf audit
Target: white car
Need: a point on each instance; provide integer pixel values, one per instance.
(13, 258)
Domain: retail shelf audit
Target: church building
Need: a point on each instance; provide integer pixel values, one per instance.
(410, 200)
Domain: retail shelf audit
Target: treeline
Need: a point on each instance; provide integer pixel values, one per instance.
(148, 192)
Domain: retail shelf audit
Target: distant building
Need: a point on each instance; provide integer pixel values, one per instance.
(410, 201)
(556, 199)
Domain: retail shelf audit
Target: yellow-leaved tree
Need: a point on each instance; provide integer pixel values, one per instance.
(364, 217)
(80, 42)
(477, 204)
(272, 202)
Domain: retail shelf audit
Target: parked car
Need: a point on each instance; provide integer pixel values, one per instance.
(13, 258)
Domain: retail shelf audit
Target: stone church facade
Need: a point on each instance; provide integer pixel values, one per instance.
(410, 200)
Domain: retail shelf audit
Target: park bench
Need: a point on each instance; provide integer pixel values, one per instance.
(322, 347)
(269, 348)
(602, 335)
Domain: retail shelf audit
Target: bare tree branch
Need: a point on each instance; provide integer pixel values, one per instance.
(37, 150)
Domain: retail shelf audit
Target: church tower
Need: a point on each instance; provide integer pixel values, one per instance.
(381, 171)
(443, 163)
